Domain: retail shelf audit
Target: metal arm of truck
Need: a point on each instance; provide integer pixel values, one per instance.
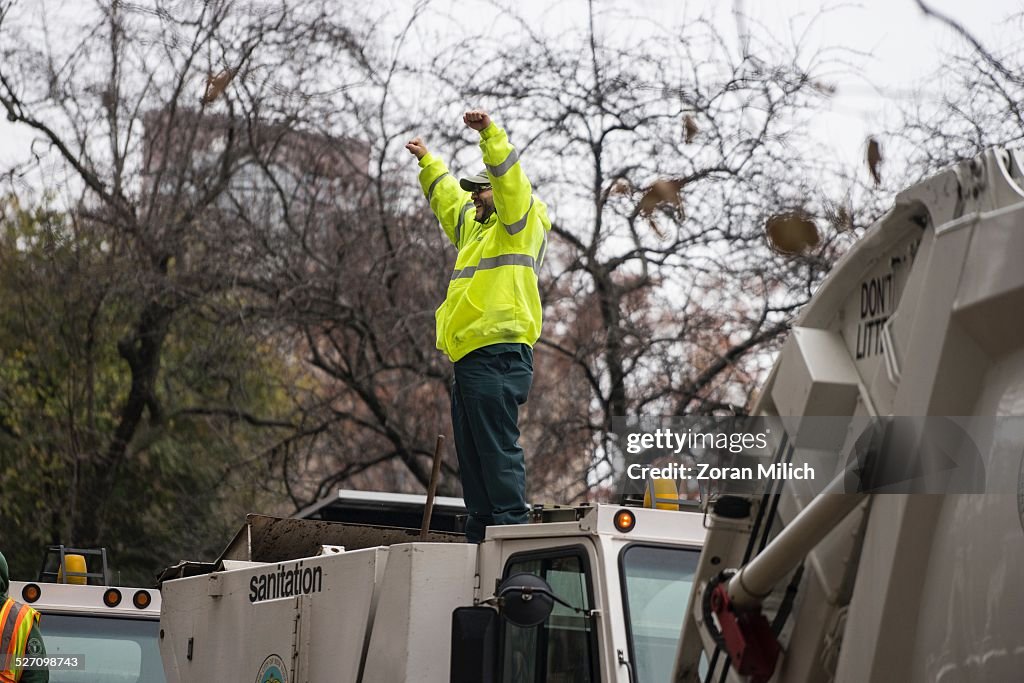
(756, 580)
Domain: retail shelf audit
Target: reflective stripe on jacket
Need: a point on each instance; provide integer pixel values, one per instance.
(16, 622)
(492, 296)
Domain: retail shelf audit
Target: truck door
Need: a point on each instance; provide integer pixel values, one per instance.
(564, 648)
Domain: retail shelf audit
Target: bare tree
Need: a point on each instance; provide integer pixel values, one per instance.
(193, 164)
(980, 104)
(662, 163)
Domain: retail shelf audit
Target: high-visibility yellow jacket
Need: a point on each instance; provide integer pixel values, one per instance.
(492, 295)
(16, 623)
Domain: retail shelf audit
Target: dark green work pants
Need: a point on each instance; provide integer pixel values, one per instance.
(490, 385)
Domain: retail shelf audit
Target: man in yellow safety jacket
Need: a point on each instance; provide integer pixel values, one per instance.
(491, 316)
(19, 637)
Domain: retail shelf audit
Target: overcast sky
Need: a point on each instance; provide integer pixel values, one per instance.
(903, 49)
(896, 45)
(900, 48)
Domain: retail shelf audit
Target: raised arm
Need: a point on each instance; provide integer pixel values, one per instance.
(513, 194)
(449, 202)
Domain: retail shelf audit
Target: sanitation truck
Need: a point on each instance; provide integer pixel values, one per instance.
(898, 559)
(94, 632)
(307, 600)
(902, 560)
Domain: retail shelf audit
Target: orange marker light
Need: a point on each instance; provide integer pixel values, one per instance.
(625, 520)
(112, 597)
(141, 599)
(31, 593)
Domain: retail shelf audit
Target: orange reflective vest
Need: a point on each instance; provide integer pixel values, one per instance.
(492, 297)
(16, 622)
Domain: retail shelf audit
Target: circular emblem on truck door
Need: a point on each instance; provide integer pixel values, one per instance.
(272, 671)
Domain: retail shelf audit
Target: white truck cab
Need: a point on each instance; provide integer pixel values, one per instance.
(95, 633)
(417, 611)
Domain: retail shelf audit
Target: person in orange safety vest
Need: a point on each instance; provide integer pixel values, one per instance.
(20, 638)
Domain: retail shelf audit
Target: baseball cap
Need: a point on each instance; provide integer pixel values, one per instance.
(472, 183)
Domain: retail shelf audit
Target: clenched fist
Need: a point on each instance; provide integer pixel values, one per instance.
(416, 147)
(477, 119)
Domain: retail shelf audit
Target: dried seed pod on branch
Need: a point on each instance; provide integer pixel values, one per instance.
(215, 85)
(792, 232)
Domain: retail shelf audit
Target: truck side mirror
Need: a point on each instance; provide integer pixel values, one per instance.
(525, 599)
(474, 653)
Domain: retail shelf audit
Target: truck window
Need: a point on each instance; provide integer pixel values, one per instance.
(561, 649)
(656, 584)
(114, 650)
